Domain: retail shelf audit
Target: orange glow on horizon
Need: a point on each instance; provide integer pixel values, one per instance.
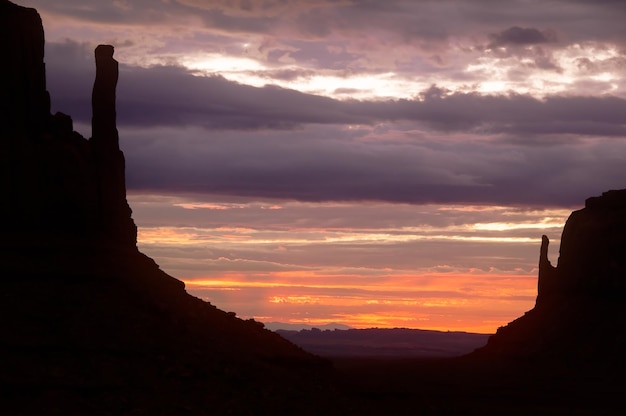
(438, 305)
(441, 267)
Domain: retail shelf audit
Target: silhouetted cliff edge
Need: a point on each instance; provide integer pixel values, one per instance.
(89, 324)
(57, 187)
(580, 315)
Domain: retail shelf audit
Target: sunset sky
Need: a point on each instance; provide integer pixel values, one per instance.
(373, 163)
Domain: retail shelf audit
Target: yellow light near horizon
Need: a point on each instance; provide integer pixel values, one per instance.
(490, 87)
(217, 63)
(260, 267)
(329, 83)
(396, 320)
(492, 75)
(245, 236)
(396, 303)
(165, 235)
(605, 77)
(506, 226)
(566, 67)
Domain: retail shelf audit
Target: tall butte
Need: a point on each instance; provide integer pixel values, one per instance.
(579, 316)
(57, 187)
(89, 324)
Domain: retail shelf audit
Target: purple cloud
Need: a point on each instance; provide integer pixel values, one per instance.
(187, 133)
(173, 96)
(519, 36)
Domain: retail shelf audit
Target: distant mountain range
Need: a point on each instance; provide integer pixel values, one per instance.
(385, 342)
(275, 326)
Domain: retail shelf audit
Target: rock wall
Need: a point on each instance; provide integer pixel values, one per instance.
(25, 103)
(579, 316)
(592, 259)
(55, 184)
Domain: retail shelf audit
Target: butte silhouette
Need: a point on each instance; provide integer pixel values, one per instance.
(89, 324)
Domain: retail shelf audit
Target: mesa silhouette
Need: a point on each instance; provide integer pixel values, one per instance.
(579, 316)
(89, 324)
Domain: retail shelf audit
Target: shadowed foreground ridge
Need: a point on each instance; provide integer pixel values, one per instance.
(89, 324)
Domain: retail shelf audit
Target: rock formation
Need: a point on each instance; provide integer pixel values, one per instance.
(114, 212)
(56, 185)
(89, 324)
(579, 312)
(25, 103)
(592, 259)
(104, 128)
(546, 270)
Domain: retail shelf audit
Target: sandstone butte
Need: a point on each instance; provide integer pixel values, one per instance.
(579, 315)
(86, 318)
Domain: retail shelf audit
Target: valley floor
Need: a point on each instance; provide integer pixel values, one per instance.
(470, 386)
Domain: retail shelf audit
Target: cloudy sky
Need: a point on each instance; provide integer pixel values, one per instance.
(374, 163)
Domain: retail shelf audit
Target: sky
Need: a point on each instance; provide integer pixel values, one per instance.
(371, 163)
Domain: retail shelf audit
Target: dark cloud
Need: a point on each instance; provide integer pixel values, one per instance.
(411, 39)
(70, 72)
(530, 46)
(172, 96)
(186, 133)
(218, 20)
(332, 164)
(519, 36)
(286, 74)
(426, 25)
(117, 12)
(326, 55)
(166, 96)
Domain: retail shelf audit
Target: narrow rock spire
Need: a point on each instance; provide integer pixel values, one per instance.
(116, 223)
(103, 122)
(544, 262)
(546, 270)
(55, 185)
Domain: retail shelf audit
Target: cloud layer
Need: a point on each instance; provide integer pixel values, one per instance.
(368, 264)
(377, 163)
(186, 133)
